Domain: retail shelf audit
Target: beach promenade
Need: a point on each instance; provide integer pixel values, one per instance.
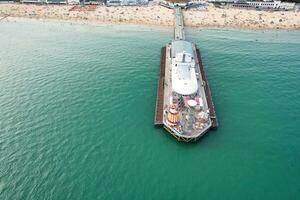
(157, 15)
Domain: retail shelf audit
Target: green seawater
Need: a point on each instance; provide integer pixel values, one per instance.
(77, 106)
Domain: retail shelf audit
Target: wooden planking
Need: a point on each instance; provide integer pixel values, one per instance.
(160, 90)
(210, 103)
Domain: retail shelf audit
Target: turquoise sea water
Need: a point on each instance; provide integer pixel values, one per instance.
(77, 106)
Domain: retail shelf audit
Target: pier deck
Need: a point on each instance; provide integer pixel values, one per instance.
(210, 103)
(158, 120)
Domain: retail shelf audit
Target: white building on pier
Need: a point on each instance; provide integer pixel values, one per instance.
(184, 81)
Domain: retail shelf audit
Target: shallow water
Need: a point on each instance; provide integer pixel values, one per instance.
(77, 107)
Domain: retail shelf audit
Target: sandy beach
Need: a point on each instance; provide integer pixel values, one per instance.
(158, 16)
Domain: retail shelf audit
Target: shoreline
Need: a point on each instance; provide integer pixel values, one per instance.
(87, 23)
(156, 16)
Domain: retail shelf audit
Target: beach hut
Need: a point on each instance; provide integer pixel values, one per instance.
(265, 5)
(33, 1)
(56, 1)
(126, 2)
(93, 2)
(297, 7)
(73, 2)
(113, 2)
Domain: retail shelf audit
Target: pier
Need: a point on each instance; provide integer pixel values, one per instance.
(184, 105)
(179, 27)
(158, 121)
